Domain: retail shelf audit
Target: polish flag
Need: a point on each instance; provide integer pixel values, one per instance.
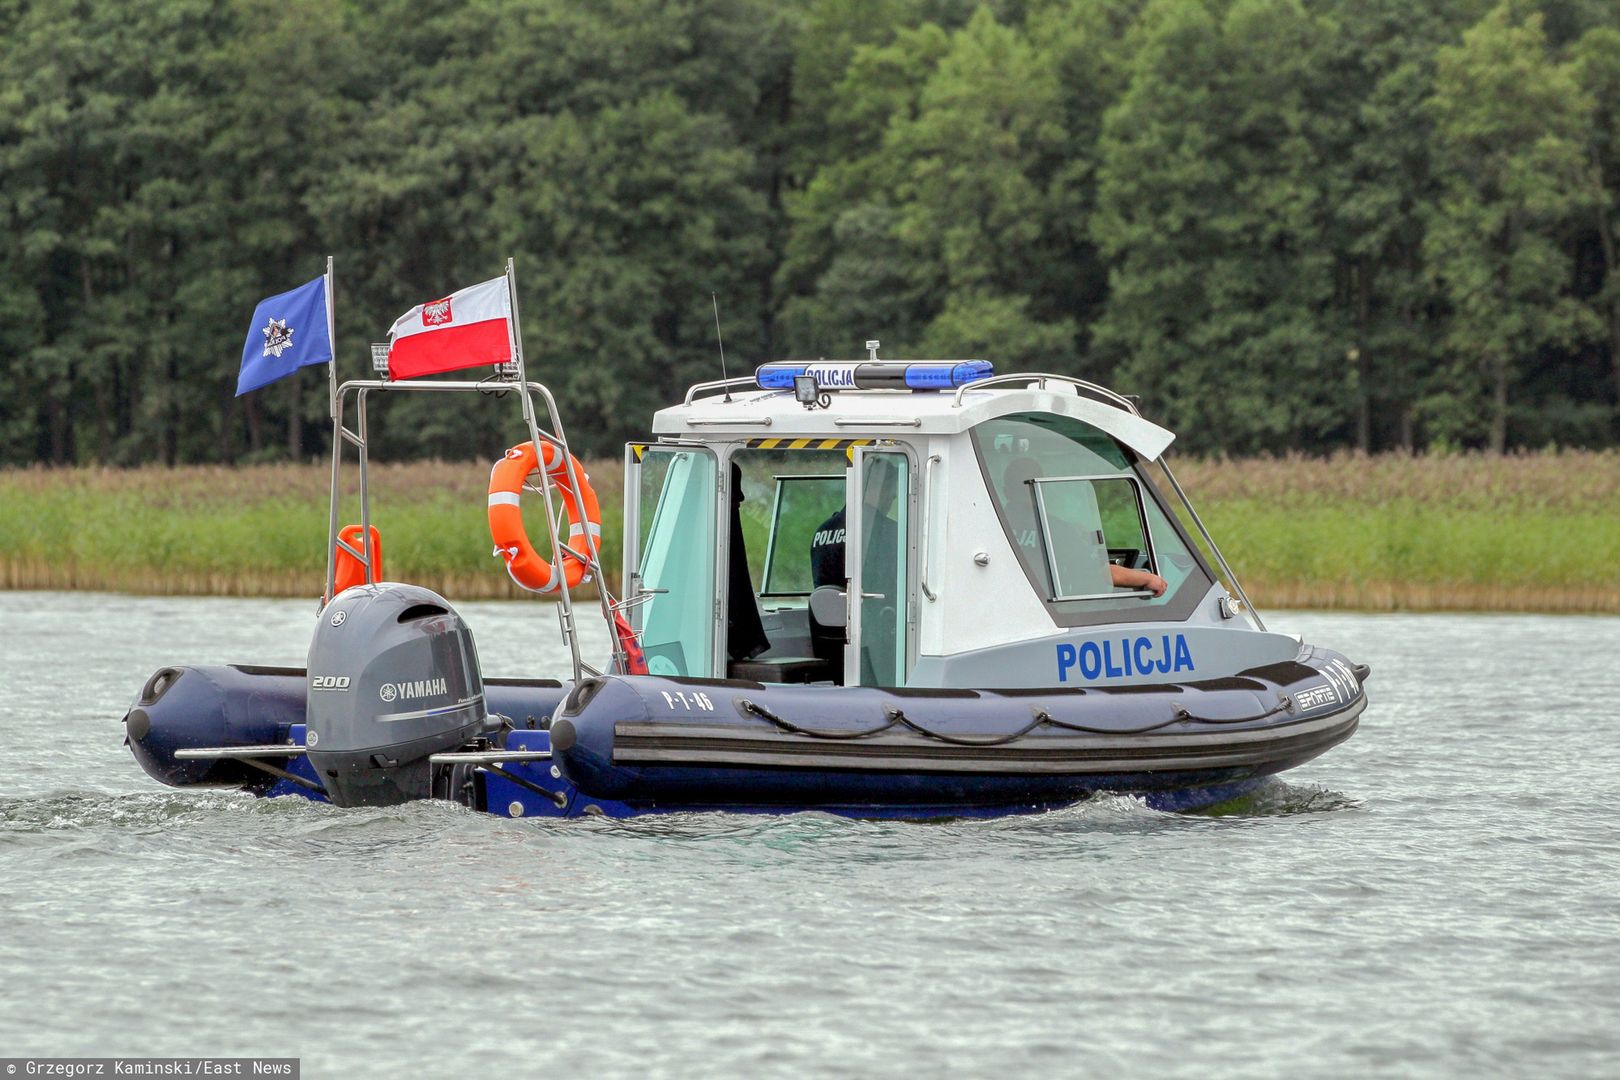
(469, 328)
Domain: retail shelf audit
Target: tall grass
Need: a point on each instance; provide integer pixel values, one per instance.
(1532, 532)
(257, 531)
(1536, 532)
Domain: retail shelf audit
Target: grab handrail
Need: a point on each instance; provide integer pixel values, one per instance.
(1042, 377)
(718, 384)
(929, 517)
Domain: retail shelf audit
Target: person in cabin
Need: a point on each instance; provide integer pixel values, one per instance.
(745, 629)
(1020, 503)
(882, 536)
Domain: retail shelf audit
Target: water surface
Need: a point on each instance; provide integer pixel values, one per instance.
(1439, 896)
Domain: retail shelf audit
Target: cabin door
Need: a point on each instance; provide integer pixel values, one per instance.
(670, 555)
(877, 519)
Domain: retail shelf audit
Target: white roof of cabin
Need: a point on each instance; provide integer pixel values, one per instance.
(897, 414)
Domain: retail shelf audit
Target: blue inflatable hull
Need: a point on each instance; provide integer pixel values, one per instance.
(190, 708)
(622, 746)
(661, 743)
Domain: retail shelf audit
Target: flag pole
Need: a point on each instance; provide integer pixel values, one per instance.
(337, 445)
(331, 341)
(514, 331)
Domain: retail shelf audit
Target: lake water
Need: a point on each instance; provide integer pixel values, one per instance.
(1440, 896)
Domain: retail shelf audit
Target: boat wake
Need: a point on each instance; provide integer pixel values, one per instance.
(73, 811)
(1279, 798)
(239, 817)
(298, 821)
(1110, 811)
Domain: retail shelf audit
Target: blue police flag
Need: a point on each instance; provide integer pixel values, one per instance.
(288, 332)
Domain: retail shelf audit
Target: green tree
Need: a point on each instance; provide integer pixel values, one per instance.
(973, 169)
(610, 150)
(843, 275)
(1373, 134)
(101, 182)
(940, 236)
(1088, 46)
(297, 80)
(1286, 223)
(1597, 67)
(1510, 128)
(1210, 211)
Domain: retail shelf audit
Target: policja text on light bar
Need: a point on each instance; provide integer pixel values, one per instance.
(876, 375)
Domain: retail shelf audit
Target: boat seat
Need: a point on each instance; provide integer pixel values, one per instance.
(781, 669)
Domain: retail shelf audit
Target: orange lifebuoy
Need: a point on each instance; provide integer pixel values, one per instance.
(525, 565)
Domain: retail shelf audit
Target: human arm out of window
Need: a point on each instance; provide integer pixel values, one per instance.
(1126, 578)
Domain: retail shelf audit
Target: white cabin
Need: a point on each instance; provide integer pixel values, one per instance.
(990, 516)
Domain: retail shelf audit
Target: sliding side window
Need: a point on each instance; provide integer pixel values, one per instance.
(1088, 524)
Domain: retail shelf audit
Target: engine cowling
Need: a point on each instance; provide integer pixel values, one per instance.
(393, 678)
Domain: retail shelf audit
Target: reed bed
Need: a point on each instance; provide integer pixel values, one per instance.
(257, 531)
(1535, 532)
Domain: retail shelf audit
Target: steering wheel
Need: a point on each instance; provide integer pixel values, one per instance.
(1129, 558)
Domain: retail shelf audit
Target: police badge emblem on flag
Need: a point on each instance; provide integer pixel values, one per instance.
(277, 338)
(289, 331)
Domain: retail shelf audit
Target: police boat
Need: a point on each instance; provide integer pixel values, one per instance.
(870, 587)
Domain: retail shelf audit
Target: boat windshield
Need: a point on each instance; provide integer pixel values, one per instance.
(1074, 505)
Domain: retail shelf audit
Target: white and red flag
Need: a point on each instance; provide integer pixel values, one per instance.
(469, 328)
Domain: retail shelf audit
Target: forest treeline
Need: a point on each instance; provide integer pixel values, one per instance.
(1288, 225)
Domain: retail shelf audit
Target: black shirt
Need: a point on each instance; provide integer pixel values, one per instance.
(827, 553)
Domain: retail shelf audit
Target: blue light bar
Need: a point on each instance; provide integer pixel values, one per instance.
(876, 375)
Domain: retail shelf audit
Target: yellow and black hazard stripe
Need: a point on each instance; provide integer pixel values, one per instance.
(639, 450)
(807, 444)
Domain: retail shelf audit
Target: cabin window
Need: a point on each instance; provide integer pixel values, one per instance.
(800, 504)
(677, 560)
(1087, 524)
(1074, 505)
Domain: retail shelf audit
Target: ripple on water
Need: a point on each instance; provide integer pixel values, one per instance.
(1434, 896)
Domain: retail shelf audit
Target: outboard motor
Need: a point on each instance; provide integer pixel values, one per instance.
(393, 677)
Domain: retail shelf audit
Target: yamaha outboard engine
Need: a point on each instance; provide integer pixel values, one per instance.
(393, 677)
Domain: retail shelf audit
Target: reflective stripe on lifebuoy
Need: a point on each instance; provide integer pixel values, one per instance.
(525, 565)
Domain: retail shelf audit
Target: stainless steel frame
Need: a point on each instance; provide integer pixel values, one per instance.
(1210, 540)
(498, 386)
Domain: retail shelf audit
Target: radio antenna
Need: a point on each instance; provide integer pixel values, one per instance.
(722, 342)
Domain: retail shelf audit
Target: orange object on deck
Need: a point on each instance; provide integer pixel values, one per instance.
(350, 571)
(635, 660)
